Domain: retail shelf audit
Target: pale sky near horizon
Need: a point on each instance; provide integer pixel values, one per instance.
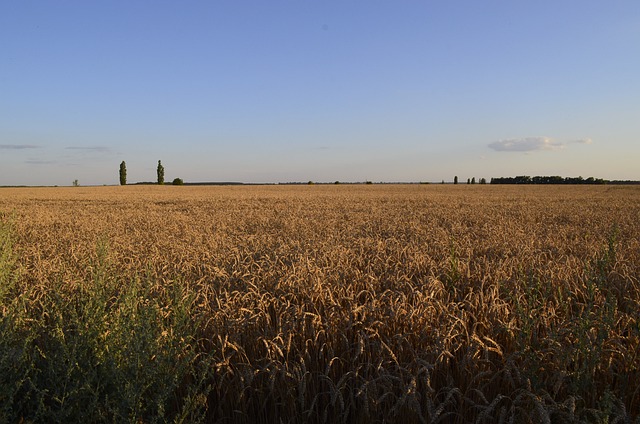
(298, 90)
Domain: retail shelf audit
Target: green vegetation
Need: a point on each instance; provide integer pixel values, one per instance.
(106, 351)
(177, 181)
(123, 173)
(160, 172)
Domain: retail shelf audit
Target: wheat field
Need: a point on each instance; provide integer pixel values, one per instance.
(320, 304)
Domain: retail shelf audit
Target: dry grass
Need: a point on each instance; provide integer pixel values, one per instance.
(321, 303)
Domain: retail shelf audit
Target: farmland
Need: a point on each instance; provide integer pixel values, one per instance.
(345, 303)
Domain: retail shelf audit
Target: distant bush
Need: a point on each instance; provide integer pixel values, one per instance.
(177, 181)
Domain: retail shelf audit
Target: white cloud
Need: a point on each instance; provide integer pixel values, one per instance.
(527, 144)
(532, 144)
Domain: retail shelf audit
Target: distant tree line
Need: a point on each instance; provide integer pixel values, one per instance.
(524, 179)
(469, 180)
(624, 182)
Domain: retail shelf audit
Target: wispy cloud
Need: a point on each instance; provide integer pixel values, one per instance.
(99, 149)
(18, 146)
(40, 162)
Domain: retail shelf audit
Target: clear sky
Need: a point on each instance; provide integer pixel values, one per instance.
(322, 90)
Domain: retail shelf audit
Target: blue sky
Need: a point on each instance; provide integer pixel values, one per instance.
(298, 90)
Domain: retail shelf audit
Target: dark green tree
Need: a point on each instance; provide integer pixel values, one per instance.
(455, 179)
(160, 173)
(123, 173)
(473, 180)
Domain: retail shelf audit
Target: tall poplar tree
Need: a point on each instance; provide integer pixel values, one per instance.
(160, 173)
(123, 173)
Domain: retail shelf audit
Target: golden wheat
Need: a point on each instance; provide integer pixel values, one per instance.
(406, 302)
